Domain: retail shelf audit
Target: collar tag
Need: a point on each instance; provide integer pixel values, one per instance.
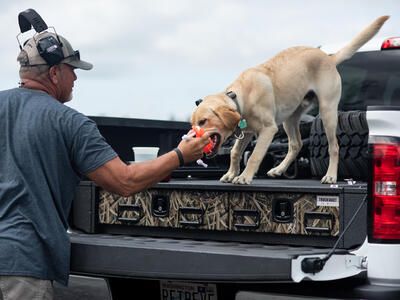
(242, 124)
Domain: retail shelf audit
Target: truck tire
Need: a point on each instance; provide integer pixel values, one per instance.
(352, 134)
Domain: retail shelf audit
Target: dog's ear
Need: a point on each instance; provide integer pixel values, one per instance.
(229, 117)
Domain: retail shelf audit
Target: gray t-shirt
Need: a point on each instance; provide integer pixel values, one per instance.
(45, 147)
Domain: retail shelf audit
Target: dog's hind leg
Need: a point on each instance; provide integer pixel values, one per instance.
(329, 115)
(236, 154)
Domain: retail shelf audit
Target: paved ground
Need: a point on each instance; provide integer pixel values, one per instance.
(82, 288)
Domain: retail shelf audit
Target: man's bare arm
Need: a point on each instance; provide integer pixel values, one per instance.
(116, 176)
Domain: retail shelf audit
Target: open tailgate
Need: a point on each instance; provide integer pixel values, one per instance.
(166, 258)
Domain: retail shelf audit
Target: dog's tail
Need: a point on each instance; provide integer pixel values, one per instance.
(362, 38)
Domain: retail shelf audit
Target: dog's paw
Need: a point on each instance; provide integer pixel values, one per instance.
(228, 177)
(275, 172)
(329, 179)
(242, 180)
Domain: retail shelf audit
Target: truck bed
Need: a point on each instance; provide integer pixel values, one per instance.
(143, 252)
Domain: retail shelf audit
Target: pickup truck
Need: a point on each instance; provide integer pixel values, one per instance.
(192, 237)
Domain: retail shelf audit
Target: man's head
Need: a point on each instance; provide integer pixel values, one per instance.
(49, 60)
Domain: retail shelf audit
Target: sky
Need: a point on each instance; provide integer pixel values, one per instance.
(153, 59)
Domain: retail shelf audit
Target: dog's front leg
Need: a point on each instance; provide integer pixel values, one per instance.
(264, 140)
(291, 126)
(236, 155)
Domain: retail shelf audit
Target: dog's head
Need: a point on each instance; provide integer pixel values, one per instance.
(215, 115)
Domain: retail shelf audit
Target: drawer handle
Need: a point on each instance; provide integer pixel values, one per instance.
(310, 216)
(239, 218)
(191, 211)
(126, 208)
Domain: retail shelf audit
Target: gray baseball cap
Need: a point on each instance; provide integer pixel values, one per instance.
(71, 56)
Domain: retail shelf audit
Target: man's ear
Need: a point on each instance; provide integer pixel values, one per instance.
(229, 117)
(53, 71)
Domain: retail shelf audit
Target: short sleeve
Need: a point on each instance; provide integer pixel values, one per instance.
(89, 148)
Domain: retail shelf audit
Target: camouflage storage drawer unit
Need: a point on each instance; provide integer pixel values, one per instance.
(294, 212)
(241, 211)
(162, 208)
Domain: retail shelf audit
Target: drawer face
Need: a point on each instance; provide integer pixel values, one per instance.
(206, 207)
(160, 208)
(282, 213)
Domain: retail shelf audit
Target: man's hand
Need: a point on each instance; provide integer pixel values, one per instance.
(192, 147)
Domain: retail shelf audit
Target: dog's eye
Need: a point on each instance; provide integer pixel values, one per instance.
(202, 122)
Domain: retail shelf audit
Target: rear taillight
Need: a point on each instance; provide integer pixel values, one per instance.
(386, 191)
(391, 43)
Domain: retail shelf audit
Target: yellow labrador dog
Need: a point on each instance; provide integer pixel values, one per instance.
(279, 91)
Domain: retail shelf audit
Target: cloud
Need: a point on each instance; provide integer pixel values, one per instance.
(168, 53)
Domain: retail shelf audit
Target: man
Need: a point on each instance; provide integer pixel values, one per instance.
(45, 147)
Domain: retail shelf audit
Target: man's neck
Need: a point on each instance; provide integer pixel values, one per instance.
(36, 85)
